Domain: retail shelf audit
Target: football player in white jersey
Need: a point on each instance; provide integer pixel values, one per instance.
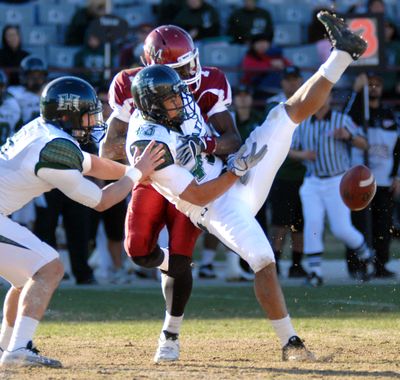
(10, 112)
(33, 76)
(44, 155)
(213, 199)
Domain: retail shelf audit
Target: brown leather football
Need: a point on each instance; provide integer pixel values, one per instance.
(357, 187)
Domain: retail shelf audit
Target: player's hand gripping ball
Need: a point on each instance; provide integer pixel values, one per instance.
(357, 187)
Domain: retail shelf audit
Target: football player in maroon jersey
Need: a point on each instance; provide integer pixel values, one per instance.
(148, 211)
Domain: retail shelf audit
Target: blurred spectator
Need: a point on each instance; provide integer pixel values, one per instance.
(376, 6)
(323, 142)
(130, 55)
(113, 220)
(316, 34)
(199, 18)
(33, 77)
(168, 9)
(383, 152)
(262, 66)
(81, 20)
(10, 112)
(248, 21)
(286, 209)
(391, 79)
(11, 53)
(91, 58)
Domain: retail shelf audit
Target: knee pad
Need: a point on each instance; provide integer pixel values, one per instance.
(153, 260)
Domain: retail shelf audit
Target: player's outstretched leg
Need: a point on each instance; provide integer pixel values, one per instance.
(347, 47)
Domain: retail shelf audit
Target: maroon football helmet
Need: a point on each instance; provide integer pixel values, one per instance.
(172, 46)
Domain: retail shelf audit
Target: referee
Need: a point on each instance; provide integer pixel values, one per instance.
(323, 142)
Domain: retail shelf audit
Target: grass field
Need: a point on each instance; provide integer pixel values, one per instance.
(112, 334)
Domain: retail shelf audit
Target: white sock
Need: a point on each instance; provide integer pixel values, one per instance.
(24, 330)
(283, 328)
(172, 324)
(164, 265)
(207, 257)
(5, 335)
(335, 65)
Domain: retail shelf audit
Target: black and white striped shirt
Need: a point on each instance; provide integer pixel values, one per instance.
(333, 155)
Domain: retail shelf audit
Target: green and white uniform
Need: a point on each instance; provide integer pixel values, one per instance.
(231, 217)
(10, 115)
(36, 159)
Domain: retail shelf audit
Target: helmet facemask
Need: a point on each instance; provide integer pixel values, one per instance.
(91, 126)
(179, 100)
(189, 69)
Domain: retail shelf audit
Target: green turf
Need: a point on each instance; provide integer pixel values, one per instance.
(146, 304)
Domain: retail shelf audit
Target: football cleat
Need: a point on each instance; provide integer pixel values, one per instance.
(297, 271)
(168, 348)
(314, 280)
(27, 356)
(295, 350)
(340, 36)
(207, 271)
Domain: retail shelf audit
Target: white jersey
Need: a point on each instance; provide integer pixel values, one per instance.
(172, 179)
(37, 145)
(10, 115)
(28, 101)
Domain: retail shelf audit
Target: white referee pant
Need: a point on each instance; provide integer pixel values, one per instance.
(320, 197)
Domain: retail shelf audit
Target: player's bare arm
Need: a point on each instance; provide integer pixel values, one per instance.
(203, 194)
(104, 168)
(113, 144)
(229, 140)
(144, 166)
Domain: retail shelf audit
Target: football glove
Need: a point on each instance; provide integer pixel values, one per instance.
(192, 146)
(239, 163)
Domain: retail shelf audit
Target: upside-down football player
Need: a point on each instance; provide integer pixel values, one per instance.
(148, 211)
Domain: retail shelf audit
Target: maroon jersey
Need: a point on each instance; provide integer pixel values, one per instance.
(213, 96)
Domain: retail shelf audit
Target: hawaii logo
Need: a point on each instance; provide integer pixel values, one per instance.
(68, 102)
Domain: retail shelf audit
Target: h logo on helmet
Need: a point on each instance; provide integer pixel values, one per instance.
(68, 102)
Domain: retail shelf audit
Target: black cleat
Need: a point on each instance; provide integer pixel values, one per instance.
(314, 280)
(207, 271)
(295, 350)
(382, 272)
(297, 271)
(340, 36)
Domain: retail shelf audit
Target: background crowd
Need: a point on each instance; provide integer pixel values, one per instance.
(266, 49)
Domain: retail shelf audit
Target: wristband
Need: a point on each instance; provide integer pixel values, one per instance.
(211, 144)
(133, 173)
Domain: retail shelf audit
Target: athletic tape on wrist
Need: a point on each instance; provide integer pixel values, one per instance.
(133, 173)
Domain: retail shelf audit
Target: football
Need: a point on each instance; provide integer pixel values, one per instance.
(357, 187)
